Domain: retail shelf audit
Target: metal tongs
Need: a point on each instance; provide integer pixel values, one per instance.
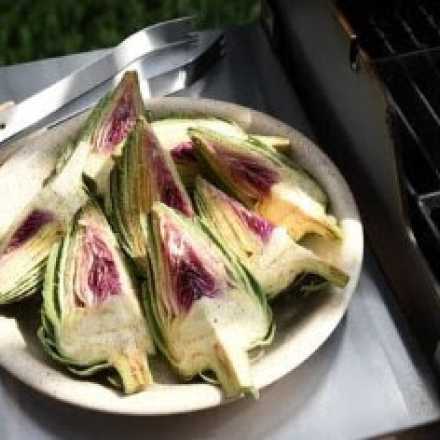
(187, 54)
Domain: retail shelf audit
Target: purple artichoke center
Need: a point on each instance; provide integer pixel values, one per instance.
(192, 281)
(120, 123)
(169, 191)
(102, 277)
(258, 225)
(184, 152)
(254, 174)
(190, 278)
(255, 223)
(28, 229)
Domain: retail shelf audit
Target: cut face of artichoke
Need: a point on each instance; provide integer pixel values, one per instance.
(45, 217)
(91, 316)
(207, 312)
(144, 174)
(173, 136)
(267, 182)
(274, 259)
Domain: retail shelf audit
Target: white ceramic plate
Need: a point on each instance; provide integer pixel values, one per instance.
(301, 327)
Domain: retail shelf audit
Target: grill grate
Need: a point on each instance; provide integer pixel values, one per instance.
(408, 26)
(402, 40)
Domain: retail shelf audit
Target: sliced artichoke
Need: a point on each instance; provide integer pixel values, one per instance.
(23, 258)
(42, 221)
(101, 139)
(207, 312)
(144, 174)
(267, 182)
(26, 245)
(173, 135)
(274, 259)
(91, 316)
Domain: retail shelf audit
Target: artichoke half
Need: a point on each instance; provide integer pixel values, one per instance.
(144, 174)
(23, 258)
(91, 316)
(207, 312)
(30, 233)
(173, 136)
(267, 182)
(274, 259)
(101, 139)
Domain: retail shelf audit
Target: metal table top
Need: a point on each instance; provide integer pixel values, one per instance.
(367, 379)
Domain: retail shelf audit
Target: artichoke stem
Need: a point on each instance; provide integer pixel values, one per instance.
(329, 272)
(134, 371)
(321, 268)
(232, 369)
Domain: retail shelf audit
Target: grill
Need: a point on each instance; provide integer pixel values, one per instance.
(393, 28)
(373, 96)
(401, 43)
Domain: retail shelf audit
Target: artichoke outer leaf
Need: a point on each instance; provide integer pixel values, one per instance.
(207, 312)
(273, 258)
(91, 316)
(267, 182)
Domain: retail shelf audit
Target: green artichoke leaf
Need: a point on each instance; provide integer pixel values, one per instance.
(274, 259)
(28, 233)
(92, 319)
(173, 135)
(207, 312)
(267, 182)
(145, 173)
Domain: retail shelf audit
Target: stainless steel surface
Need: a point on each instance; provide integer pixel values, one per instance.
(186, 66)
(367, 379)
(162, 36)
(350, 116)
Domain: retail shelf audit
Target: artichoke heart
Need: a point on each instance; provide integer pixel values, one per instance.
(91, 316)
(28, 233)
(274, 259)
(267, 182)
(207, 312)
(144, 174)
(173, 135)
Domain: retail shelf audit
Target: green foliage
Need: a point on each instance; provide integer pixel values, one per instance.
(32, 29)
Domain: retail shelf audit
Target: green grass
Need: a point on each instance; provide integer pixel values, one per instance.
(33, 29)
